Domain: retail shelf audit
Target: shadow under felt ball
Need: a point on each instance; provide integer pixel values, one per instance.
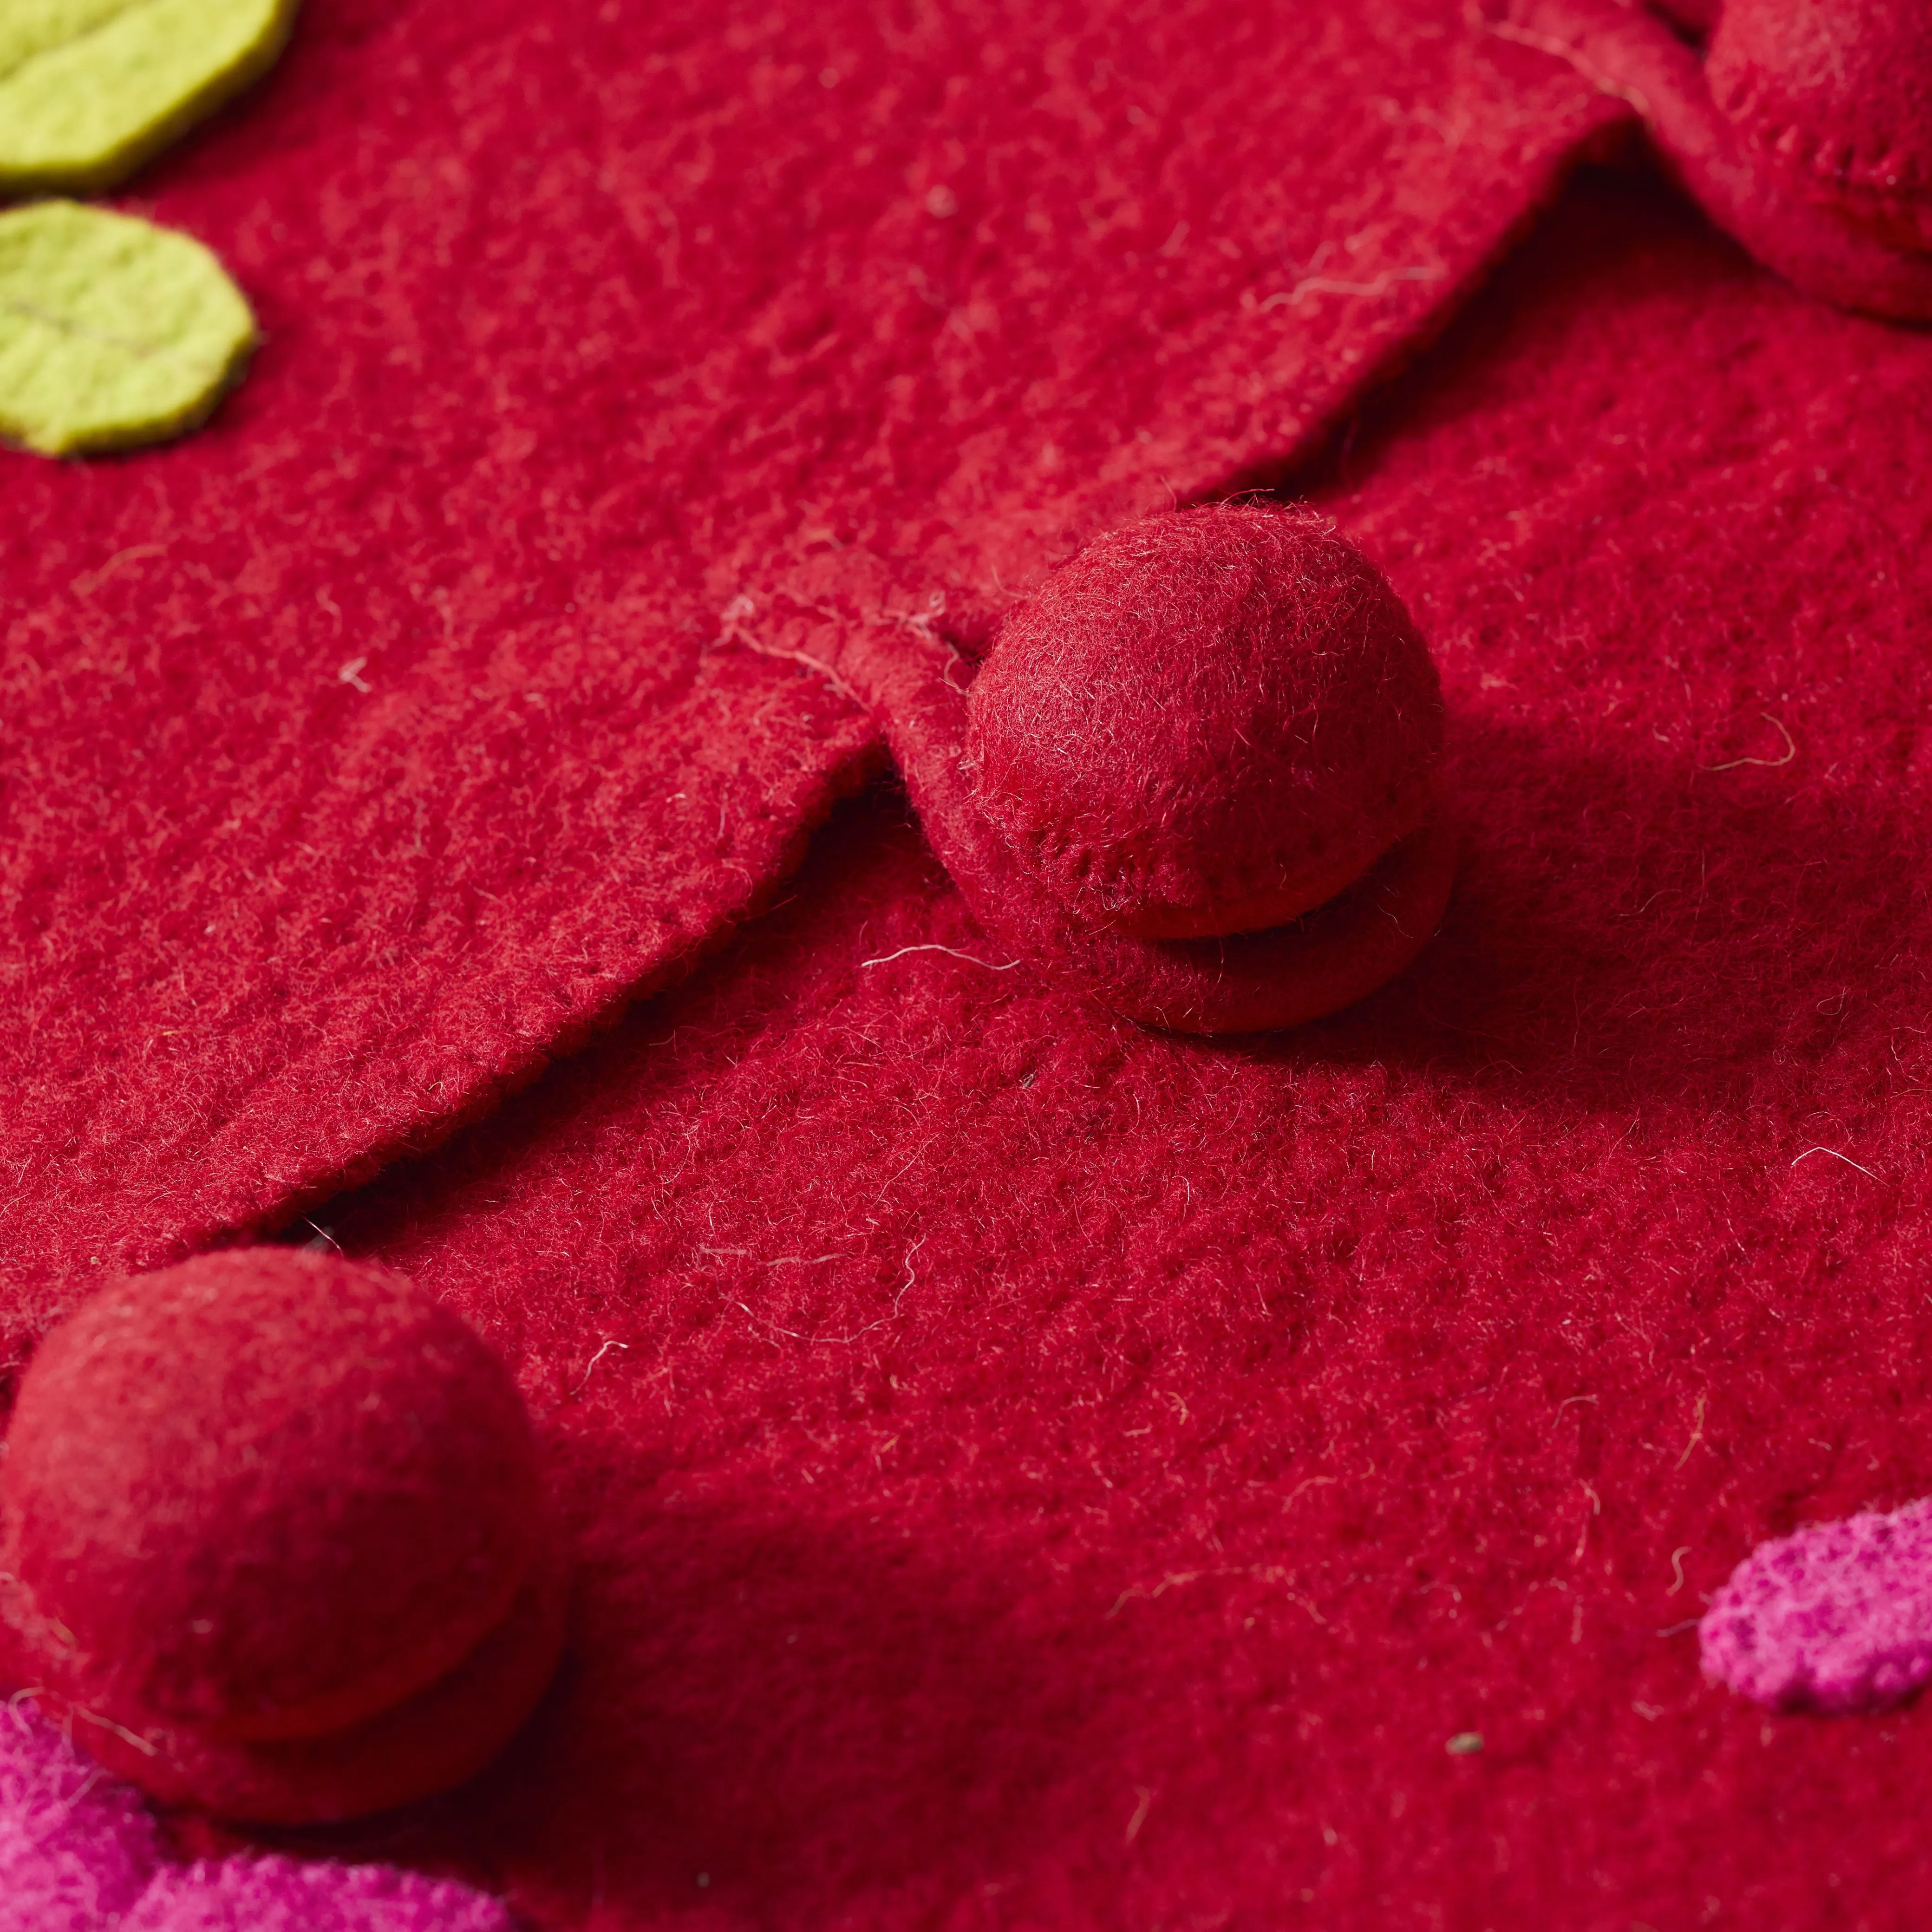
(273, 1538)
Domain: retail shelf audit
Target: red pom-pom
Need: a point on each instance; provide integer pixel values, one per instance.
(256, 1504)
(1835, 101)
(1206, 724)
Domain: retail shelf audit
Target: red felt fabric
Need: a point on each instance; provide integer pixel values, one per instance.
(1025, 1470)
(374, 744)
(1030, 1470)
(435, 1740)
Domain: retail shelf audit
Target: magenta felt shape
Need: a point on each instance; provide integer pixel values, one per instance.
(78, 1853)
(1837, 1618)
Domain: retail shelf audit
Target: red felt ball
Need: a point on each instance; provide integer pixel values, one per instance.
(1206, 724)
(1835, 98)
(256, 1502)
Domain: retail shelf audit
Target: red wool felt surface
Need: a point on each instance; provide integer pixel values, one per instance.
(436, 1739)
(375, 743)
(1030, 1470)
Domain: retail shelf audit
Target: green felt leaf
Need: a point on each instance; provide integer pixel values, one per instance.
(89, 89)
(113, 332)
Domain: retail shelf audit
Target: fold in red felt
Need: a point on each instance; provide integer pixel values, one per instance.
(1033, 1471)
(370, 747)
(1023, 1469)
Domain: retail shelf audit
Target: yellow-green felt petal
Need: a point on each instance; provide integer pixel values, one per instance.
(89, 89)
(31, 27)
(112, 332)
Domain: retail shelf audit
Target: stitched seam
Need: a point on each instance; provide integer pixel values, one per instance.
(1834, 161)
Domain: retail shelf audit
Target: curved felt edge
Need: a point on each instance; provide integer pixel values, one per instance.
(1249, 982)
(432, 1742)
(1632, 55)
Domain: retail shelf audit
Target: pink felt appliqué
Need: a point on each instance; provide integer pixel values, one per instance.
(78, 1853)
(1836, 1617)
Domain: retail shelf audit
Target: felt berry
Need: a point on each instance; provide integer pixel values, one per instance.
(274, 1537)
(1833, 98)
(1206, 724)
(1201, 784)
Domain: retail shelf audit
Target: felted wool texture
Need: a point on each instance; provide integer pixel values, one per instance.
(1207, 723)
(1836, 1617)
(1838, 99)
(276, 1894)
(113, 332)
(76, 1851)
(265, 1494)
(80, 1854)
(1029, 1470)
(373, 745)
(92, 89)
